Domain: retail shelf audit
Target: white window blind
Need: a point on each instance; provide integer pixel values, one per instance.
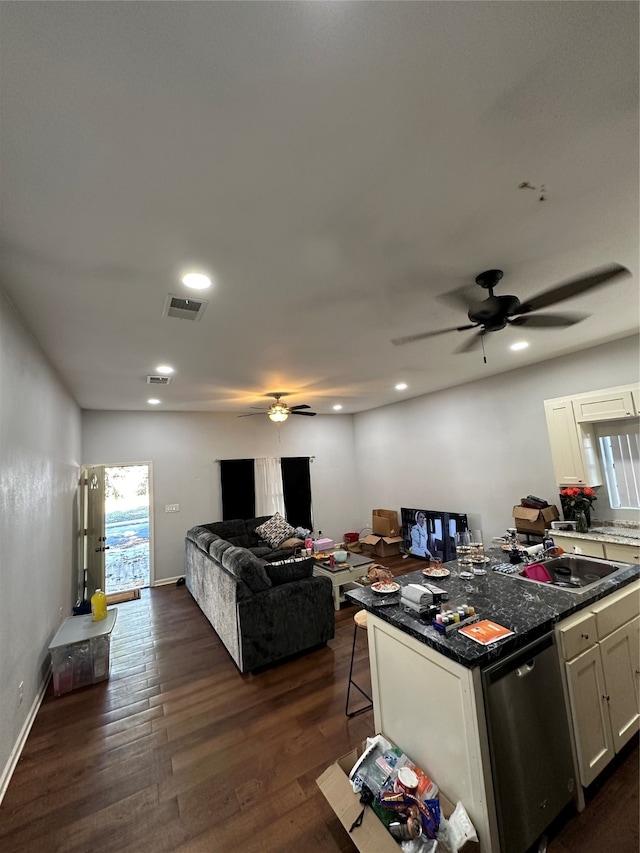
(619, 444)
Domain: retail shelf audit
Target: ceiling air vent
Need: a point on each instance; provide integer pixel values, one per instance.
(183, 309)
(158, 380)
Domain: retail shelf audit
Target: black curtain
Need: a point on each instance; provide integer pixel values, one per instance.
(296, 480)
(237, 479)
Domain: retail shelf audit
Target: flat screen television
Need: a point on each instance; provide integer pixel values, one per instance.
(431, 533)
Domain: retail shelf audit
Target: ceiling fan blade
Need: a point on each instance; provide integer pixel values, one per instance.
(260, 409)
(306, 414)
(542, 321)
(296, 408)
(251, 414)
(573, 287)
(408, 339)
(472, 343)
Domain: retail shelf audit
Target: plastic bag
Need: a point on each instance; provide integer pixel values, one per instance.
(456, 831)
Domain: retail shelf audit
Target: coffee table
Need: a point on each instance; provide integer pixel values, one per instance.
(341, 577)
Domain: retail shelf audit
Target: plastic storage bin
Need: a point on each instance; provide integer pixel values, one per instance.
(80, 652)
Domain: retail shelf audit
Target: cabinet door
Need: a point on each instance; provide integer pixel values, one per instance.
(589, 709)
(604, 407)
(619, 653)
(623, 553)
(589, 547)
(566, 453)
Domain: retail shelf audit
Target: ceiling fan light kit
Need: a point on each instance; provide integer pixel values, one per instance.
(279, 412)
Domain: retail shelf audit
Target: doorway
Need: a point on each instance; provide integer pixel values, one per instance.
(126, 527)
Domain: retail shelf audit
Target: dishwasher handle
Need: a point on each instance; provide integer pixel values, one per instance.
(521, 671)
(521, 662)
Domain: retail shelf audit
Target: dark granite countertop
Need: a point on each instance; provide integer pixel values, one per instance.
(529, 609)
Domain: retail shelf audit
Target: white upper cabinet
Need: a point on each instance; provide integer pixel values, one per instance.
(571, 433)
(604, 406)
(575, 461)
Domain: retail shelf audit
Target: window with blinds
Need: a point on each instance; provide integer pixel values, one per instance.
(619, 444)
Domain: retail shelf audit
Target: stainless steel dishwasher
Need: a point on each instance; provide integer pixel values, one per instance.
(531, 761)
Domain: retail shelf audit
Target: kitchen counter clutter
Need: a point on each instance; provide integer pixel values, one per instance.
(529, 610)
(447, 700)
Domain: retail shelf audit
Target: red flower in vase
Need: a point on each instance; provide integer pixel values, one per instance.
(575, 500)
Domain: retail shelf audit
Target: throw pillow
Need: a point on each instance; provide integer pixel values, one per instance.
(276, 530)
(294, 542)
(295, 569)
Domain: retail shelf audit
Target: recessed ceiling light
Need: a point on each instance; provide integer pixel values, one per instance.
(337, 407)
(165, 369)
(519, 345)
(196, 280)
(154, 402)
(401, 386)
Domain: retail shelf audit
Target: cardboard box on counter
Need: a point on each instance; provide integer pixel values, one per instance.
(534, 520)
(381, 546)
(384, 522)
(371, 836)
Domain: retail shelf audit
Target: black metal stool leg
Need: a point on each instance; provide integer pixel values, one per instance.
(352, 682)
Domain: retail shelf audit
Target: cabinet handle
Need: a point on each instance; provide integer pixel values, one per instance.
(584, 636)
(606, 697)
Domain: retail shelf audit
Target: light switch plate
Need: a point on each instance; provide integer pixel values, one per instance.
(172, 508)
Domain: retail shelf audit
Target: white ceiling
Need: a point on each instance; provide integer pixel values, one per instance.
(336, 166)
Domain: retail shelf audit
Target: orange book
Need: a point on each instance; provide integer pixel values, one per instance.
(485, 631)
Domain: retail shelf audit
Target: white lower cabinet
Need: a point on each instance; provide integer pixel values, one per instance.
(619, 653)
(595, 548)
(602, 681)
(590, 714)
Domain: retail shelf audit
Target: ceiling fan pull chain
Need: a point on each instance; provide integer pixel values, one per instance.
(484, 355)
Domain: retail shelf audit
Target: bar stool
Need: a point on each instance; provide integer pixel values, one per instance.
(360, 621)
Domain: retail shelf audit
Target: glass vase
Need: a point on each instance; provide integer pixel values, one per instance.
(581, 522)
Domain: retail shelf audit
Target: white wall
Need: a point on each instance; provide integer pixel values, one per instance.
(478, 448)
(183, 447)
(39, 468)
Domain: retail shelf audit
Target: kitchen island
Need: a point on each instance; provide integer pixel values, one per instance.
(429, 689)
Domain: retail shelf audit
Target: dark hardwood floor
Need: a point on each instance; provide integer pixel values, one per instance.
(180, 752)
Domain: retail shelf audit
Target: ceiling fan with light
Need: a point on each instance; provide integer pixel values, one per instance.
(279, 412)
(497, 312)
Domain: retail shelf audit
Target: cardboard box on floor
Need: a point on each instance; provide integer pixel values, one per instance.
(371, 836)
(384, 522)
(381, 546)
(534, 520)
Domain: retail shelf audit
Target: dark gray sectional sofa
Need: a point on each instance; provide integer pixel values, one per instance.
(261, 612)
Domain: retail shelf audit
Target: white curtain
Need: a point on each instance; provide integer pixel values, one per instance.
(269, 488)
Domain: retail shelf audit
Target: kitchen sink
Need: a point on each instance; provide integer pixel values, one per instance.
(575, 572)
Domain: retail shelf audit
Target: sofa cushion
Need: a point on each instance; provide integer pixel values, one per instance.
(202, 537)
(294, 569)
(217, 549)
(246, 566)
(263, 551)
(275, 530)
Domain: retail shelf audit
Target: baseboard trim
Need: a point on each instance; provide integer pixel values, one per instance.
(165, 581)
(16, 752)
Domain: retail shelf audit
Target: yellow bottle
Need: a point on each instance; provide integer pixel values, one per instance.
(99, 605)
